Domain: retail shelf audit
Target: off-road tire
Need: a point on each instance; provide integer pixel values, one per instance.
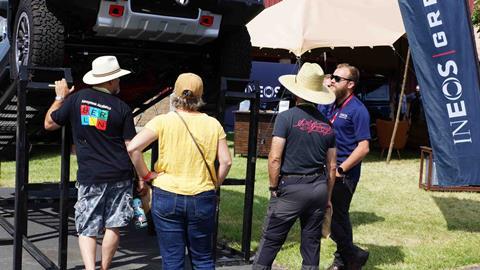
(47, 35)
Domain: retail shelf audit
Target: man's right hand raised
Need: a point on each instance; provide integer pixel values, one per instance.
(62, 90)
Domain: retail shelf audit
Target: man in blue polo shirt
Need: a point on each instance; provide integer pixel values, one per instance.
(351, 122)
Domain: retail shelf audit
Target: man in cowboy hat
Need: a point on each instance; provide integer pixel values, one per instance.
(301, 167)
(351, 122)
(102, 125)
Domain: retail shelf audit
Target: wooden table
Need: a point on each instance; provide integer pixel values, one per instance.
(426, 179)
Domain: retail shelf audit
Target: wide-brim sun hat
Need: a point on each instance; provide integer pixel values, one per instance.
(104, 69)
(308, 84)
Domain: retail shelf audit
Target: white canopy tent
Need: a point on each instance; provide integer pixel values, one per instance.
(302, 25)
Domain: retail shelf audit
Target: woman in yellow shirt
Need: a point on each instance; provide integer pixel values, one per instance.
(185, 178)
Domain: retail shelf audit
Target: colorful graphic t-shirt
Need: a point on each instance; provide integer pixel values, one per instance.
(92, 115)
(308, 137)
(100, 123)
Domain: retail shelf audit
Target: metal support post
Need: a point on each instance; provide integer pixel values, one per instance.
(153, 159)
(154, 156)
(64, 196)
(21, 172)
(250, 176)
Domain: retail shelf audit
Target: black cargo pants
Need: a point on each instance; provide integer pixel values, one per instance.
(303, 197)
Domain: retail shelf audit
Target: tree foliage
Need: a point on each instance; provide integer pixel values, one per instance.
(476, 13)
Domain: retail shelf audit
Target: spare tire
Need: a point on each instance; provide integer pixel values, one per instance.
(38, 36)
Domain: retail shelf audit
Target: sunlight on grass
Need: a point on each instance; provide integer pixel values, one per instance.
(44, 167)
(404, 227)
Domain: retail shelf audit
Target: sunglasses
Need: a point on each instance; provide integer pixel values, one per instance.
(337, 78)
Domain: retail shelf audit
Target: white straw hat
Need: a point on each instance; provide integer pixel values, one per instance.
(104, 69)
(308, 84)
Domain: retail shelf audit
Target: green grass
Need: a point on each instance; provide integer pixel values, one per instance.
(404, 227)
(44, 166)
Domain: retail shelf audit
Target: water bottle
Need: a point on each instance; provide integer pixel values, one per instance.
(139, 217)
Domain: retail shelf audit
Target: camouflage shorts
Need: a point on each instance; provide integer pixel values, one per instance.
(100, 206)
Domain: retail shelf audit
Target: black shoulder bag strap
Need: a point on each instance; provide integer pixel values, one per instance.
(198, 147)
(217, 190)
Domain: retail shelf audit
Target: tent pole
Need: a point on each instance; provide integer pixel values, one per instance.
(298, 62)
(399, 108)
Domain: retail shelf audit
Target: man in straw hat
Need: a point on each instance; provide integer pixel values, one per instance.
(301, 167)
(351, 122)
(102, 125)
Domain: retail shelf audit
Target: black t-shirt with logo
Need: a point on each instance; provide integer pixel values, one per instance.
(308, 137)
(100, 123)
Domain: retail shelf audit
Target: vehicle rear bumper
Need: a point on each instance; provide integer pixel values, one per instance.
(152, 27)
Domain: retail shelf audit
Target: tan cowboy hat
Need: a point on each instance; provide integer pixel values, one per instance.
(104, 69)
(308, 84)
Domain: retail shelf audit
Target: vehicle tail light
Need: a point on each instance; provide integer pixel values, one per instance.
(116, 10)
(206, 20)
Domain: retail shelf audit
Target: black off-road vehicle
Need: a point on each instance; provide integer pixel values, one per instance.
(156, 39)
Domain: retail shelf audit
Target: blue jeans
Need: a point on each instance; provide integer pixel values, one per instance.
(184, 221)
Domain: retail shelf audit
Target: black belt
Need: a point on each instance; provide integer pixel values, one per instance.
(293, 179)
(303, 175)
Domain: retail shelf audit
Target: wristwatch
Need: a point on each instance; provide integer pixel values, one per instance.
(59, 98)
(340, 171)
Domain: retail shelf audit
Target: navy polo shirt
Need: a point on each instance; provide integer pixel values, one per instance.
(351, 125)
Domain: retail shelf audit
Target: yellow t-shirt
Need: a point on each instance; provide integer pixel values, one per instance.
(180, 166)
